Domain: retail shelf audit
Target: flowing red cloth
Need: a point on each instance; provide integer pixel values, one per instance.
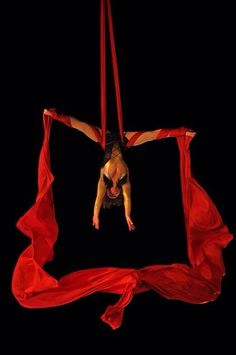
(103, 83)
(115, 71)
(106, 13)
(198, 282)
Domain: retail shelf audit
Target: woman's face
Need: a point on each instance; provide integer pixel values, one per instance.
(113, 192)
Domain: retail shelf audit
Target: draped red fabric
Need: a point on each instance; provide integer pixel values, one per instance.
(115, 71)
(105, 8)
(198, 282)
(103, 104)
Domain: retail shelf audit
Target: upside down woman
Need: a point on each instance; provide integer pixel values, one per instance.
(114, 188)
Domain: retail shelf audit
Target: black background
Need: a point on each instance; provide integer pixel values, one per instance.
(175, 64)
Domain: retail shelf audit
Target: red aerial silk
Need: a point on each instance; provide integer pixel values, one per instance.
(198, 282)
(105, 5)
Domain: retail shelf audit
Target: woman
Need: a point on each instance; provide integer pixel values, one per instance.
(114, 187)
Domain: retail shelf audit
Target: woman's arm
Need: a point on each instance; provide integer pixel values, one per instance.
(101, 190)
(143, 137)
(126, 190)
(90, 131)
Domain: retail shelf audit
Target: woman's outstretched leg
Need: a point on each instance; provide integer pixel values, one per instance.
(137, 138)
(92, 132)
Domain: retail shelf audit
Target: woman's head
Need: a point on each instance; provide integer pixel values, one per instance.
(112, 199)
(113, 192)
(114, 195)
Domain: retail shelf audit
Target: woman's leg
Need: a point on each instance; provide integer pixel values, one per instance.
(137, 138)
(90, 131)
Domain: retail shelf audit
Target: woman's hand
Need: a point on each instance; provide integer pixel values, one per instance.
(130, 223)
(96, 222)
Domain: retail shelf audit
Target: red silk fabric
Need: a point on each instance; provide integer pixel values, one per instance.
(103, 102)
(115, 71)
(198, 282)
(105, 9)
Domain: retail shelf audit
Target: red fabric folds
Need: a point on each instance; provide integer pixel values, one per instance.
(198, 282)
(105, 12)
(103, 103)
(115, 71)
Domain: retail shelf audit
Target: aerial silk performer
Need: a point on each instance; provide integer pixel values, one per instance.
(198, 282)
(114, 187)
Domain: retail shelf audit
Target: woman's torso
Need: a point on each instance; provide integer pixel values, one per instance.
(115, 168)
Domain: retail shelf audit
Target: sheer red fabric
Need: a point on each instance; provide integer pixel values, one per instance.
(105, 12)
(198, 282)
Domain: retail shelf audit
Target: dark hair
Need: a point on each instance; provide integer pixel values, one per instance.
(111, 202)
